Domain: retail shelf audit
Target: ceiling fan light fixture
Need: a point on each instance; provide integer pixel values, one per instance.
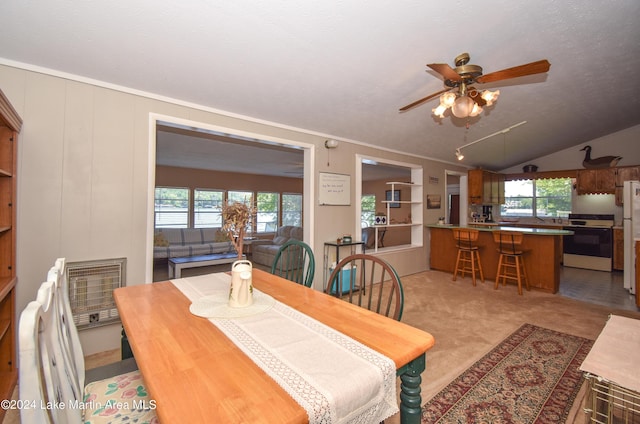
(440, 110)
(490, 96)
(447, 99)
(462, 107)
(477, 110)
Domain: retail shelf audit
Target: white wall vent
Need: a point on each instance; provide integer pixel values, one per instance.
(91, 286)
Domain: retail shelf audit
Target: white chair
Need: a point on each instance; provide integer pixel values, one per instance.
(52, 368)
(42, 372)
(70, 341)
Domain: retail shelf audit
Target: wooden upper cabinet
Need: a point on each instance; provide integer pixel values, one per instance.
(594, 181)
(476, 186)
(625, 173)
(485, 187)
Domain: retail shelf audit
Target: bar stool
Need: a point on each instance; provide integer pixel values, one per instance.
(468, 259)
(511, 263)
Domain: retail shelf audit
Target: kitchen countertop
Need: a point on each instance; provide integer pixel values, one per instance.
(526, 230)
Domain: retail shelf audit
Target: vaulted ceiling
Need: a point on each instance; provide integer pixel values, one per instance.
(344, 68)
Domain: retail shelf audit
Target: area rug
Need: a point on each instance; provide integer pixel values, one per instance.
(530, 377)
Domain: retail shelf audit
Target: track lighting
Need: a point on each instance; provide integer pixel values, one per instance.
(459, 154)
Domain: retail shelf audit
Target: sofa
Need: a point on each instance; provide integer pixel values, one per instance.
(263, 252)
(181, 242)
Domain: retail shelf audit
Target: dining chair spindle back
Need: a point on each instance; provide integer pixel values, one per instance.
(295, 262)
(370, 282)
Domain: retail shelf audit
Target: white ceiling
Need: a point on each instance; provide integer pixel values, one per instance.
(344, 68)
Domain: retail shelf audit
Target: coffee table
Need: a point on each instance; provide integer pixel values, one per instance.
(176, 265)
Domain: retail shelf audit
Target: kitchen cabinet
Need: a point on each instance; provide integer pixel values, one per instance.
(625, 173)
(485, 187)
(10, 124)
(596, 181)
(618, 249)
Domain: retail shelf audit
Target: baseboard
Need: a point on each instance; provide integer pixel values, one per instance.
(110, 370)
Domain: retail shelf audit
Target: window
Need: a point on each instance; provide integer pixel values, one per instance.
(292, 209)
(240, 196)
(548, 198)
(207, 208)
(368, 210)
(267, 212)
(245, 197)
(171, 207)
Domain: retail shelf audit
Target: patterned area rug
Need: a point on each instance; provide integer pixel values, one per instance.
(530, 377)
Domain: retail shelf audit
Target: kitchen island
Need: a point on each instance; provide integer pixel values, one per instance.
(542, 257)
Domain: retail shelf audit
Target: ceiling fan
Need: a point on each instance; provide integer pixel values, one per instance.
(468, 101)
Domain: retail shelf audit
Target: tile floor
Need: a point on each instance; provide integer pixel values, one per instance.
(598, 287)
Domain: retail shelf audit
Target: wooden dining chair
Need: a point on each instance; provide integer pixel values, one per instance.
(295, 262)
(369, 282)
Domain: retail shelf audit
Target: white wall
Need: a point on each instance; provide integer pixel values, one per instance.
(83, 165)
(625, 143)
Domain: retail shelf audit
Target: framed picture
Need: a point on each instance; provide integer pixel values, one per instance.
(433, 201)
(396, 198)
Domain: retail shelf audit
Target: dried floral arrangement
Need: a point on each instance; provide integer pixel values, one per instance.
(235, 217)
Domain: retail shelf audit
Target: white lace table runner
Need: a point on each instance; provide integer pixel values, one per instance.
(333, 377)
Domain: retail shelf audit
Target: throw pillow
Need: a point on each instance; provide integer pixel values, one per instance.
(160, 240)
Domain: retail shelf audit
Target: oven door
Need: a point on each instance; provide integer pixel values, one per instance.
(589, 241)
(588, 247)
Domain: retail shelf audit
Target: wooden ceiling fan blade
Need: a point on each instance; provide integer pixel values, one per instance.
(532, 68)
(422, 100)
(446, 71)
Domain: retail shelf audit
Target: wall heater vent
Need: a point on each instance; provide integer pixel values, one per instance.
(91, 286)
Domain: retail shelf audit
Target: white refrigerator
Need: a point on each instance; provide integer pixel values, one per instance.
(631, 223)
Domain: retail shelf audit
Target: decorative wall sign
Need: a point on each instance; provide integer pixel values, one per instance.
(334, 189)
(433, 201)
(433, 180)
(396, 198)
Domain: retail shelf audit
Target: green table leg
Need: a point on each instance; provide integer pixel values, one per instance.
(410, 399)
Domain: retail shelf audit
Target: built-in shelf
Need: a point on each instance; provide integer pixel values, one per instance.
(415, 202)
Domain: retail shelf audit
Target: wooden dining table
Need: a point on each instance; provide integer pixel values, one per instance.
(198, 375)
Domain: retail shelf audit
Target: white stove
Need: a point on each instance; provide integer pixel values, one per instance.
(591, 220)
(591, 244)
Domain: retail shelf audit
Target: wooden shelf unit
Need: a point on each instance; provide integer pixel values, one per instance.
(10, 125)
(415, 203)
